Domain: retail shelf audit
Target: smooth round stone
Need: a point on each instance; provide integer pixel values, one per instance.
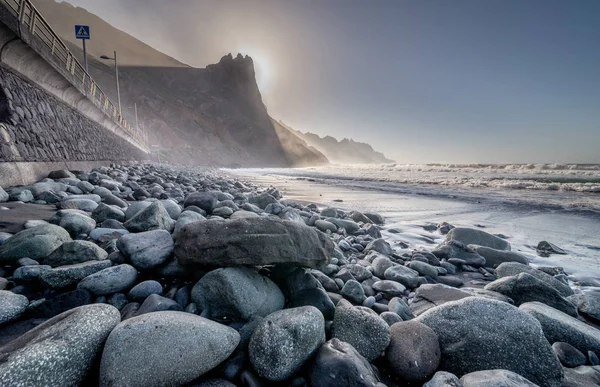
(110, 280)
(402, 274)
(97, 233)
(164, 349)
(72, 252)
(338, 363)
(314, 297)
(353, 291)
(401, 308)
(12, 306)
(361, 328)
(369, 302)
(30, 273)
(60, 351)
(568, 355)
(423, 268)
(324, 226)
(156, 303)
(390, 288)
(86, 205)
(118, 300)
(414, 352)
(146, 250)
(285, 340)
(237, 293)
(142, 290)
(34, 243)
(64, 276)
(77, 224)
(390, 318)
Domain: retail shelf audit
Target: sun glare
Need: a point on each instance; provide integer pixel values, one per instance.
(262, 68)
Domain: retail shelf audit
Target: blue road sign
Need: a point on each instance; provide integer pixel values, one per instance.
(82, 32)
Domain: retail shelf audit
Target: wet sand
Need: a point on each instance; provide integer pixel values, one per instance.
(576, 232)
(13, 219)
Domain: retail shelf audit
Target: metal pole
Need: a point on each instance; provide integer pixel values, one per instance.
(117, 76)
(85, 57)
(137, 126)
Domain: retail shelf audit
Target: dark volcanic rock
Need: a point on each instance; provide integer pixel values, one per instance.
(558, 326)
(252, 241)
(471, 236)
(236, 293)
(414, 351)
(479, 334)
(526, 288)
(338, 364)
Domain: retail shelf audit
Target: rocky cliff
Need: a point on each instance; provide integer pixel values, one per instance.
(346, 151)
(212, 116)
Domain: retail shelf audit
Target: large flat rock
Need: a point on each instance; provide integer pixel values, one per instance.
(252, 241)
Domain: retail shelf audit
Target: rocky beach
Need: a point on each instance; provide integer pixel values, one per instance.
(158, 275)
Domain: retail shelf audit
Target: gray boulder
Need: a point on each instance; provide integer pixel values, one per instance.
(262, 200)
(513, 268)
(77, 224)
(12, 306)
(72, 252)
(324, 225)
(172, 208)
(398, 306)
(339, 363)
(146, 250)
(568, 355)
(414, 352)
(144, 289)
(3, 195)
(402, 274)
(83, 204)
(203, 200)
(353, 291)
(494, 257)
(381, 246)
(187, 217)
(349, 225)
(34, 243)
(252, 241)
(362, 328)
(285, 340)
(64, 276)
(104, 212)
(471, 236)
(495, 378)
(236, 293)
(458, 250)
(110, 280)
(153, 217)
(183, 347)
(423, 268)
(59, 352)
(157, 303)
(588, 302)
(478, 334)
(526, 288)
(558, 326)
(375, 218)
(135, 208)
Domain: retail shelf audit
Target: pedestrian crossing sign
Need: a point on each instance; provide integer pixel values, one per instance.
(82, 32)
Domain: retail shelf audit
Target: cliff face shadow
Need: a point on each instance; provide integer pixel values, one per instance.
(212, 116)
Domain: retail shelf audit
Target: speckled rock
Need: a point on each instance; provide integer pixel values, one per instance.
(362, 328)
(63, 276)
(284, 340)
(153, 217)
(183, 347)
(443, 379)
(110, 280)
(60, 351)
(477, 334)
(72, 252)
(12, 306)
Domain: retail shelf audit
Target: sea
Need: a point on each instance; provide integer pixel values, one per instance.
(527, 203)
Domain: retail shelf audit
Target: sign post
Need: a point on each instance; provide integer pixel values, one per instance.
(83, 33)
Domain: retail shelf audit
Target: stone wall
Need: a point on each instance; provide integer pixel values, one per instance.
(37, 127)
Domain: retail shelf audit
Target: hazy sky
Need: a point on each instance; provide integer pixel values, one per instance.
(422, 81)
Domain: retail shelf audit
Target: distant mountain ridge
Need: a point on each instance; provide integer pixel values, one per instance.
(346, 151)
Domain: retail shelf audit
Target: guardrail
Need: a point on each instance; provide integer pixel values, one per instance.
(30, 18)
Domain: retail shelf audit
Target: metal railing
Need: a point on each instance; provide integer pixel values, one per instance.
(30, 19)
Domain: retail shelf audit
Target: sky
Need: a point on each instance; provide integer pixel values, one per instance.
(461, 81)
